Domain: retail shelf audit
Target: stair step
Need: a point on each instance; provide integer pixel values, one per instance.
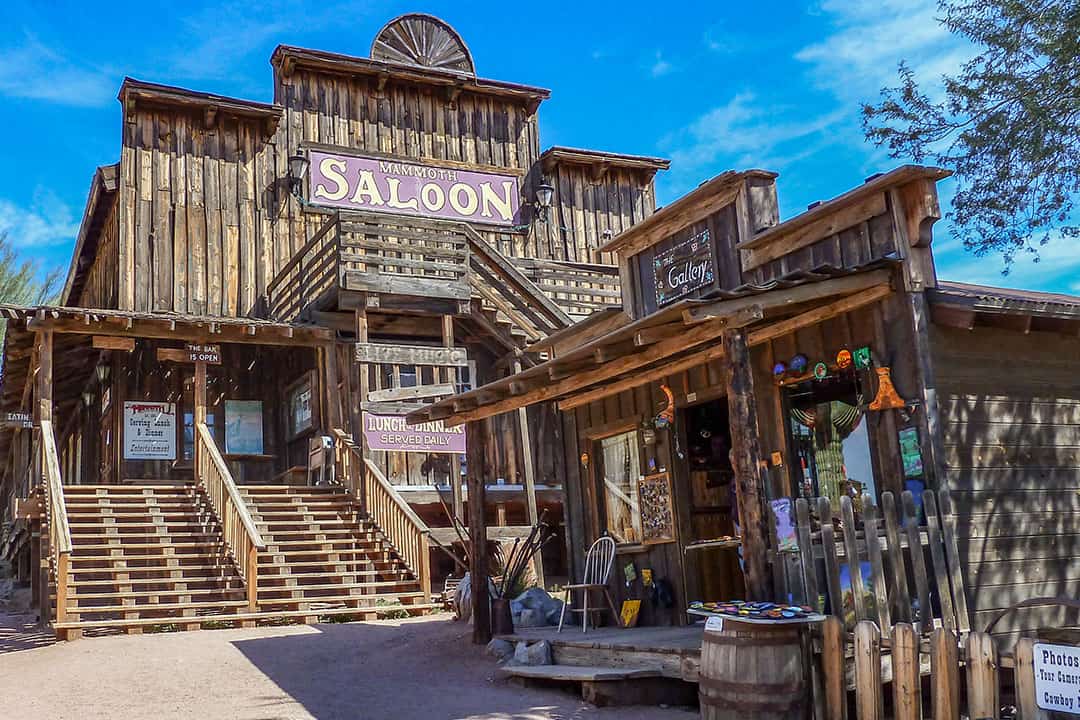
(328, 574)
(333, 586)
(127, 538)
(137, 558)
(139, 582)
(147, 594)
(158, 607)
(83, 550)
(373, 598)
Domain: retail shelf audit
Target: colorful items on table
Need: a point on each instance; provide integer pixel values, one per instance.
(755, 610)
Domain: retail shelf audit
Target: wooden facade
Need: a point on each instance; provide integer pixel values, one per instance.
(723, 303)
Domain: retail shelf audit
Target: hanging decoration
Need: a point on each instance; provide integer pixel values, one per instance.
(863, 359)
(821, 371)
(887, 398)
(585, 460)
(844, 359)
(667, 413)
(798, 364)
(779, 369)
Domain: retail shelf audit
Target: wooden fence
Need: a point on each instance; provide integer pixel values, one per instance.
(905, 679)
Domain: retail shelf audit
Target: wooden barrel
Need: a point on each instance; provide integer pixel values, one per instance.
(753, 671)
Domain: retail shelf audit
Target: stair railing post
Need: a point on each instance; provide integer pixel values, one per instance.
(252, 578)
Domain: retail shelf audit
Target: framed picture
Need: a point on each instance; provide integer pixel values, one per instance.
(244, 427)
(301, 405)
(656, 509)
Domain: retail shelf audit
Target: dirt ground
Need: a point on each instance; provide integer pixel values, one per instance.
(404, 669)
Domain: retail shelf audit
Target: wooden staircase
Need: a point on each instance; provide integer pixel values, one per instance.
(324, 557)
(145, 556)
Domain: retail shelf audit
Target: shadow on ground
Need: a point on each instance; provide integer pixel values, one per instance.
(429, 670)
(21, 632)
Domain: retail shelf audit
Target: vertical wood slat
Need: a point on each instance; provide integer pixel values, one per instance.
(869, 690)
(945, 675)
(1024, 680)
(982, 680)
(918, 562)
(832, 565)
(832, 667)
(806, 550)
(877, 571)
(901, 597)
(952, 555)
(851, 550)
(937, 557)
(907, 685)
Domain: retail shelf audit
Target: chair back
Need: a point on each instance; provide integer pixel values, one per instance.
(598, 561)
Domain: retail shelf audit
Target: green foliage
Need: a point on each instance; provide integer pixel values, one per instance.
(22, 281)
(1009, 123)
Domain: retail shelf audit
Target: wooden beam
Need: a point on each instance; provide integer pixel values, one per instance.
(450, 374)
(195, 331)
(746, 461)
(530, 476)
(107, 342)
(776, 243)
(177, 355)
(45, 377)
(415, 392)
(809, 292)
(475, 437)
(714, 352)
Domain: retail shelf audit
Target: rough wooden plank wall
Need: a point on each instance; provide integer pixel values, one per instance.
(1010, 413)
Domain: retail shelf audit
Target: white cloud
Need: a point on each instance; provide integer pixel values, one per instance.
(33, 70)
(871, 37)
(1057, 267)
(746, 132)
(659, 66)
(48, 221)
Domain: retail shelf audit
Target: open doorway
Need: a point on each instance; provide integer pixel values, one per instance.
(711, 559)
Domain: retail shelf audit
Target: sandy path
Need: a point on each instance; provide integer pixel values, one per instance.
(421, 668)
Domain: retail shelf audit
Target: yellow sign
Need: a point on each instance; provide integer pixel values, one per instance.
(630, 610)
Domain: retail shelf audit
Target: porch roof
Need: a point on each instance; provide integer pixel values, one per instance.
(75, 354)
(671, 340)
(964, 306)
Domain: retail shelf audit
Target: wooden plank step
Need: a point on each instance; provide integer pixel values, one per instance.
(270, 602)
(147, 594)
(168, 543)
(574, 673)
(138, 582)
(332, 586)
(331, 573)
(133, 515)
(82, 540)
(237, 617)
(110, 490)
(295, 556)
(158, 607)
(82, 561)
(190, 570)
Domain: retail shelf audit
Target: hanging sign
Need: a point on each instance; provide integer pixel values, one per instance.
(412, 188)
(683, 268)
(1057, 677)
(149, 430)
(209, 354)
(392, 433)
(17, 420)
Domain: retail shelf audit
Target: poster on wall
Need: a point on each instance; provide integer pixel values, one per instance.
(392, 433)
(149, 430)
(301, 411)
(784, 522)
(244, 427)
(910, 453)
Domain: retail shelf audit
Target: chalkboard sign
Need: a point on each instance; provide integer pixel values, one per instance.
(657, 515)
(683, 268)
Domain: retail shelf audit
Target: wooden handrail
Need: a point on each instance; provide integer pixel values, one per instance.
(405, 530)
(56, 509)
(331, 222)
(239, 530)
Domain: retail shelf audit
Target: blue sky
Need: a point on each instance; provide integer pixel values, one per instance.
(713, 86)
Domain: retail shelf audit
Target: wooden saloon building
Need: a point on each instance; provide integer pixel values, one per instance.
(209, 424)
(769, 390)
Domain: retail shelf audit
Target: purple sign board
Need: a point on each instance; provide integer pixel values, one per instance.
(391, 432)
(385, 185)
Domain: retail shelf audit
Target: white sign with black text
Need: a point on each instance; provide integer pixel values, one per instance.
(149, 430)
(1057, 677)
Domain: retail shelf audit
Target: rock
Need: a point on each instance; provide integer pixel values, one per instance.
(531, 619)
(545, 608)
(501, 650)
(538, 653)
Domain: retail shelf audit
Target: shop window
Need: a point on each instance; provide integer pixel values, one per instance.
(829, 439)
(189, 433)
(620, 470)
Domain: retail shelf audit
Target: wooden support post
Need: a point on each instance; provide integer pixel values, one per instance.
(45, 376)
(200, 412)
(478, 566)
(530, 476)
(44, 412)
(332, 394)
(746, 459)
(362, 368)
(450, 374)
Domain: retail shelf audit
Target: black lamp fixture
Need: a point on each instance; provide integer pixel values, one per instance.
(544, 193)
(298, 167)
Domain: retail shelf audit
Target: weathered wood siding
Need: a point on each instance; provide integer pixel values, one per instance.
(102, 284)
(1010, 414)
(584, 207)
(198, 213)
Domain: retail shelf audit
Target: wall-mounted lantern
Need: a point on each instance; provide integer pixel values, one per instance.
(544, 194)
(298, 167)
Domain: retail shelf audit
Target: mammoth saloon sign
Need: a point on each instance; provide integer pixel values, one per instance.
(410, 188)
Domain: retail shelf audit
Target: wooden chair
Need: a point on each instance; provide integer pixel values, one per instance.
(598, 562)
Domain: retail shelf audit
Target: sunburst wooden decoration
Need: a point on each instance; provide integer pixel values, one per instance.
(424, 40)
